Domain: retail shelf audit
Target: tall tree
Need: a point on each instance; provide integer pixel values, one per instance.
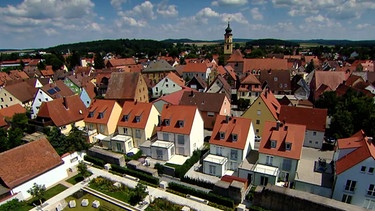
(98, 61)
(3, 140)
(83, 170)
(37, 191)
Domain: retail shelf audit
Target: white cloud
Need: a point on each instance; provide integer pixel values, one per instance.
(167, 10)
(207, 12)
(144, 10)
(234, 17)
(256, 14)
(363, 26)
(132, 22)
(229, 3)
(117, 3)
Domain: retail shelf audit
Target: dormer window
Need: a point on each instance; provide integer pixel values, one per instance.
(273, 144)
(91, 114)
(181, 123)
(138, 118)
(288, 146)
(101, 115)
(125, 118)
(234, 137)
(166, 121)
(222, 135)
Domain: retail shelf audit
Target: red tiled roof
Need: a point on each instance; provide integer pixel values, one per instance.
(121, 62)
(210, 102)
(175, 78)
(25, 162)
(133, 109)
(265, 64)
(63, 111)
(22, 91)
(60, 89)
(364, 148)
(330, 78)
(48, 71)
(236, 56)
(10, 111)
(122, 85)
(353, 80)
(103, 106)
(320, 90)
(195, 67)
(291, 133)
(277, 80)
(313, 118)
(250, 80)
(175, 97)
(16, 75)
(173, 114)
(271, 102)
(235, 125)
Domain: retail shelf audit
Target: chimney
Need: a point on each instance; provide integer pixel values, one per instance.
(65, 103)
(191, 93)
(159, 120)
(278, 124)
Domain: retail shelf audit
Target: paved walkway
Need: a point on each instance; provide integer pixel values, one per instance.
(51, 204)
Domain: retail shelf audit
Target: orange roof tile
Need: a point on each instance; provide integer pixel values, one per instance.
(57, 89)
(265, 64)
(364, 148)
(22, 91)
(121, 62)
(122, 85)
(175, 97)
(195, 67)
(271, 102)
(236, 56)
(250, 80)
(298, 115)
(132, 110)
(25, 162)
(175, 78)
(10, 111)
(287, 133)
(173, 114)
(235, 125)
(100, 105)
(63, 111)
(330, 78)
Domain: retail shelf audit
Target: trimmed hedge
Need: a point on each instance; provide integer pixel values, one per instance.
(201, 194)
(95, 161)
(198, 182)
(180, 171)
(136, 156)
(141, 175)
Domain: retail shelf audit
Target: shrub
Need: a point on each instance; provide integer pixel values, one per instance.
(136, 156)
(198, 182)
(141, 175)
(12, 205)
(180, 171)
(96, 161)
(201, 194)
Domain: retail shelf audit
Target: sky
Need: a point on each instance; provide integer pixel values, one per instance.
(46, 23)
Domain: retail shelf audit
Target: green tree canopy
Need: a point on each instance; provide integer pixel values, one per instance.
(37, 191)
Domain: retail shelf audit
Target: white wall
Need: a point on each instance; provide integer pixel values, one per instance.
(314, 189)
(152, 122)
(363, 181)
(219, 171)
(40, 97)
(197, 132)
(278, 162)
(164, 87)
(314, 141)
(48, 179)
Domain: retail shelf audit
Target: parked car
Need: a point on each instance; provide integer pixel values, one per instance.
(330, 140)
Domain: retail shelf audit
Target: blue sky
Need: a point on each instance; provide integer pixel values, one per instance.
(46, 23)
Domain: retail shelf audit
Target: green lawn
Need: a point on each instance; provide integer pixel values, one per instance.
(76, 179)
(162, 204)
(104, 205)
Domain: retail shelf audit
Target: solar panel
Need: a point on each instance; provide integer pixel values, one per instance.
(52, 91)
(57, 89)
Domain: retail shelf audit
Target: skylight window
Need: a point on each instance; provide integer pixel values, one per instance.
(222, 135)
(137, 118)
(125, 117)
(273, 144)
(166, 121)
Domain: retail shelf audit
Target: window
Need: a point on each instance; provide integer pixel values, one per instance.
(222, 135)
(257, 131)
(211, 114)
(258, 112)
(273, 144)
(101, 129)
(346, 198)
(138, 133)
(166, 122)
(130, 145)
(257, 121)
(159, 154)
(288, 146)
(2, 99)
(371, 190)
(125, 130)
(101, 115)
(180, 139)
(275, 79)
(371, 170)
(233, 154)
(363, 169)
(314, 133)
(269, 160)
(350, 185)
(369, 204)
(263, 180)
(165, 136)
(125, 117)
(180, 123)
(287, 164)
(212, 169)
(156, 89)
(10, 98)
(137, 118)
(234, 137)
(219, 151)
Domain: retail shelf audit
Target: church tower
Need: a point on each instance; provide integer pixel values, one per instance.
(228, 41)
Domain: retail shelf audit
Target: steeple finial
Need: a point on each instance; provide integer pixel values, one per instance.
(228, 29)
